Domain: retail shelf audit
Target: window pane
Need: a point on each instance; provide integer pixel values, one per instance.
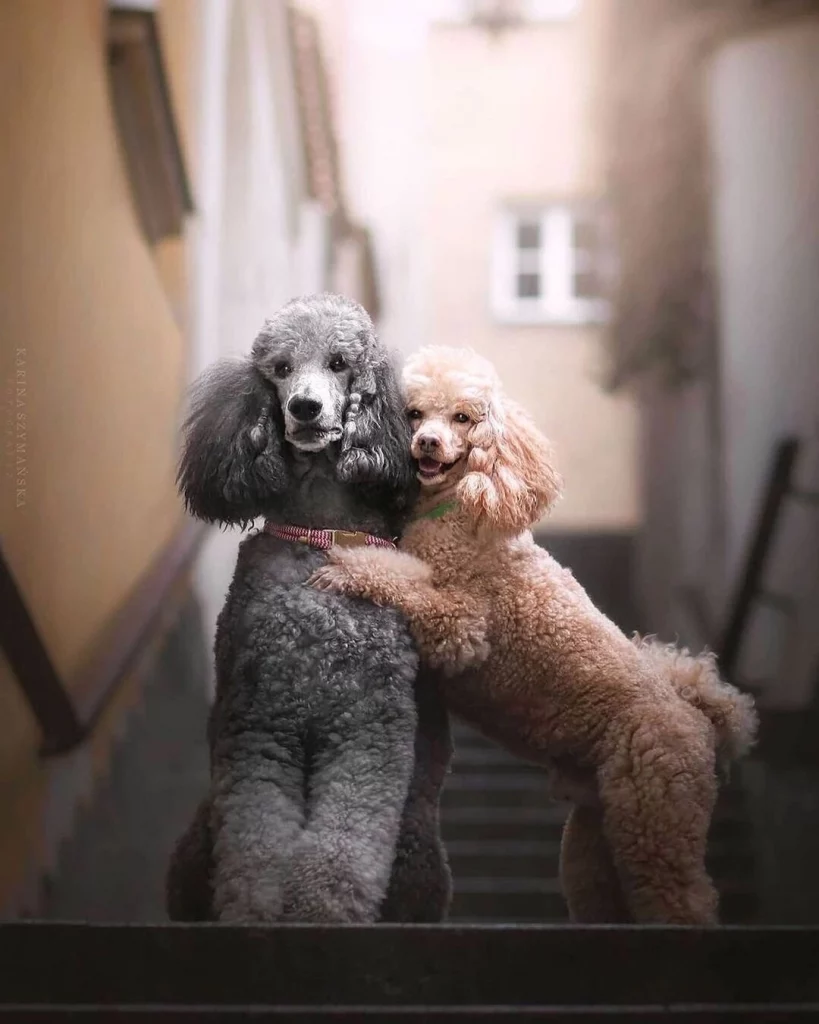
(528, 234)
(528, 286)
(528, 261)
(587, 285)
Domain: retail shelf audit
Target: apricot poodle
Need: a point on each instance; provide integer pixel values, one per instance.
(631, 731)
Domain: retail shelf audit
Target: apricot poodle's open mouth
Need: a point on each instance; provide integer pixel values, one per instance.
(433, 471)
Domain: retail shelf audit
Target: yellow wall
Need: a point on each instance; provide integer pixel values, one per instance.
(81, 297)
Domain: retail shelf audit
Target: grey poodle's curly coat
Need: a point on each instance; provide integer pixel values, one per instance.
(328, 751)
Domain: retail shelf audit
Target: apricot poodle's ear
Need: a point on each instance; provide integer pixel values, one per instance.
(232, 466)
(510, 479)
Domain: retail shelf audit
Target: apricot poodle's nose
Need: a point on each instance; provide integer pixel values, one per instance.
(428, 443)
(303, 408)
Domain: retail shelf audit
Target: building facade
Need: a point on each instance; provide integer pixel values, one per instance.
(714, 169)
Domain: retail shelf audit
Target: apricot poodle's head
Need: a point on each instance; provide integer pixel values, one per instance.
(472, 442)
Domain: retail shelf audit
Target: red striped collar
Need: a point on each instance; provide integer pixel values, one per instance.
(326, 539)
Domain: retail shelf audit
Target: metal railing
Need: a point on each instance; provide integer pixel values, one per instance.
(67, 714)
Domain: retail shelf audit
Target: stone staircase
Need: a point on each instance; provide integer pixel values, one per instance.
(102, 973)
(503, 832)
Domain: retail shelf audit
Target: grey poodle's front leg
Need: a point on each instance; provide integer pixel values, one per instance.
(341, 866)
(420, 888)
(189, 882)
(258, 815)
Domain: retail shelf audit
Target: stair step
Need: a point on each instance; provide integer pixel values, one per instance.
(527, 782)
(551, 814)
(500, 823)
(490, 757)
(534, 859)
(512, 908)
(525, 884)
(738, 908)
(512, 900)
(498, 859)
(698, 1014)
(498, 848)
(435, 966)
(465, 739)
(498, 791)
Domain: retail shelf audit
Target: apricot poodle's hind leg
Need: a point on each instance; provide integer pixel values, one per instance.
(449, 626)
(588, 876)
(658, 789)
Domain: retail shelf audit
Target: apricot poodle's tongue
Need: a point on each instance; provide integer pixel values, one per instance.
(429, 467)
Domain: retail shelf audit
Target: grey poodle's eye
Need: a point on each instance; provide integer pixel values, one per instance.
(461, 417)
(413, 414)
(337, 364)
(282, 370)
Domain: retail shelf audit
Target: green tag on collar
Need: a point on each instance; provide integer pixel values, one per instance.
(439, 510)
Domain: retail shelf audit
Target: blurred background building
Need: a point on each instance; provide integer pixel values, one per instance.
(617, 201)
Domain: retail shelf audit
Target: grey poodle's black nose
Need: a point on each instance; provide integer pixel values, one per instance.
(304, 409)
(428, 443)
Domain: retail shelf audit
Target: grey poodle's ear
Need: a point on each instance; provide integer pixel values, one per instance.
(232, 463)
(375, 447)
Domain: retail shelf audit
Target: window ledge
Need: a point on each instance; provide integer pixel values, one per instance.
(540, 317)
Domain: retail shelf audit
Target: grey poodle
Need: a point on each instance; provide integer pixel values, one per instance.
(328, 750)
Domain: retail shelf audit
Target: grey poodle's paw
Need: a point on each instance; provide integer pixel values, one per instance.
(243, 904)
(469, 648)
(325, 888)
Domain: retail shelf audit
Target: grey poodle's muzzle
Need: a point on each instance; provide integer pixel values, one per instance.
(312, 414)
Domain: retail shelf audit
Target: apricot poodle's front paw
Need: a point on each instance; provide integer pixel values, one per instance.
(334, 578)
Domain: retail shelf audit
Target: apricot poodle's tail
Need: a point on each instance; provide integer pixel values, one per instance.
(697, 680)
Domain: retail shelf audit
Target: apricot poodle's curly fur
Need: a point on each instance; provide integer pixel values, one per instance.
(632, 731)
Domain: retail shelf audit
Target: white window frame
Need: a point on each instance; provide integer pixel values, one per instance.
(555, 261)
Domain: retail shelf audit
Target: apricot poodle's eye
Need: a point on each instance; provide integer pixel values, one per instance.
(338, 363)
(461, 417)
(282, 370)
(414, 414)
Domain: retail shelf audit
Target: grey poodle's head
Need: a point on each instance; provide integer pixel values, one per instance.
(309, 353)
(317, 381)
